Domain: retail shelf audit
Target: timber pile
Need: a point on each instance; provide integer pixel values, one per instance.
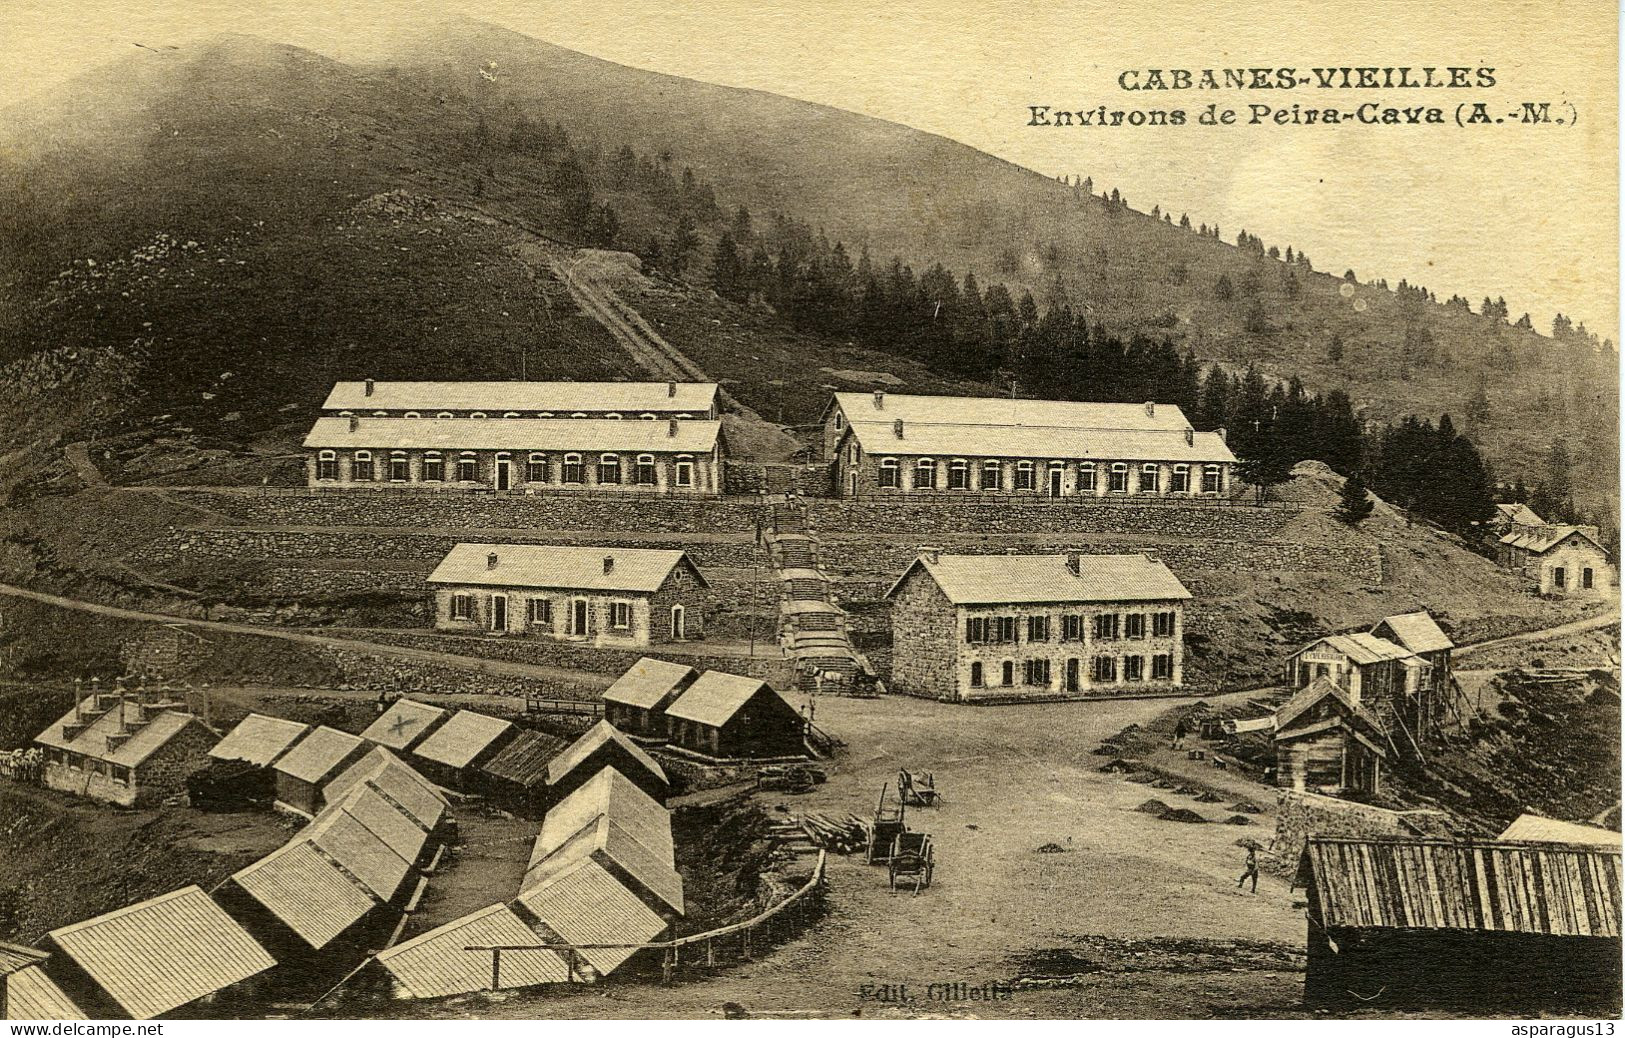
(841, 835)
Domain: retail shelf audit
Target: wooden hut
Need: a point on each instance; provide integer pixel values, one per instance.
(453, 753)
(636, 703)
(310, 764)
(1461, 924)
(404, 724)
(27, 992)
(438, 964)
(586, 905)
(1324, 743)
(1422, 711)
(517, 774)
(729, 716)
(605, 746)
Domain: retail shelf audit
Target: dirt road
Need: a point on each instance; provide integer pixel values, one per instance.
(1590, 623)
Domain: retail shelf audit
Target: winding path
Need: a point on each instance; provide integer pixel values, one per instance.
(1589, 623)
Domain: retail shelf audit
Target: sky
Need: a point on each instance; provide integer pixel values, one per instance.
(1525, 212)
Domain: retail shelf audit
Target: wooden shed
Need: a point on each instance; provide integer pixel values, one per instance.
(311, 764)
(730, 716)
(1424, 710)
(27, 992)
(453, 753)
(404, 724)
(636, 703)
(1324, 743)
(604, 746)
(517, 774)
(1471, 925)
(438, 964)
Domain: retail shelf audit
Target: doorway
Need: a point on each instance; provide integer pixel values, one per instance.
(502, 474)
(1072, 675)
(499, 612)
(679, 623)
(578, 616)
(1055, 482)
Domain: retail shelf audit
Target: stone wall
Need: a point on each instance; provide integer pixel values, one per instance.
(744, 477)
(925, 633)
(1301, 815)
(1169, 518)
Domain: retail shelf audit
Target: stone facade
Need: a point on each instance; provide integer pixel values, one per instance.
(695, 474)
(161, 775)
(1572, 568)
(1302, 815)
(924, 626)
(620, 619)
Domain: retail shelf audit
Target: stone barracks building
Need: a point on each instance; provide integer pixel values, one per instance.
(125, 749)
(969, 627)
(884, 443)
(634, 437)
(1562, 561)
(621, 597)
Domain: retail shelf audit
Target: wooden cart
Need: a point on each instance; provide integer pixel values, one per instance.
(911, 861)
(918, 790)
(887, 826)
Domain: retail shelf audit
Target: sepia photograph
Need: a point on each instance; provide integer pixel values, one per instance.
(537, 510)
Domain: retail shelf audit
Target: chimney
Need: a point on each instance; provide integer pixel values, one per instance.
(880, 400)
(1224, 434)
(123, 727)
(931, 555)
(671, 428)
(355, 423)
(78, 698)
(1190, 437)
(1151, 409)
(368, 387)
(491, 561)
(609, 564)
(897, 427)
(1073, 560)
(671, 389)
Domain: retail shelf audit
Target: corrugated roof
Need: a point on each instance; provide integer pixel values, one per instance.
(139, 740)
(1012, 579)
(318, 755)
(648, 681)
(397, 780)
(31, 995)
(1535, 829)
(14, 957)
(1541, 539)
(404, 723)
(307, 891)
(1003, 411)
(590, 741)
(462, 738)
(1553, 889)
(1362, 648)
(608, 793)
(437, 964)
(525, 759)
(397, 829)
(583, 435)
(559, 566)
(1040, 444)
(259, 739)
(1417, 632)
(157, 955)
(498, 397)
(612, 844)
(586, 905)
(1520, 514)
(715, 697)
(379, 857)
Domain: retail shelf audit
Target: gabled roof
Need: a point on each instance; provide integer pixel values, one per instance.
(464, 736)
(611, 794)
(649, 681)
(587, 905)
(1536, 829)
(1013, 579)
(594, 738)
(1542, 539)
(366, 854)
(861, 408)
(524, 761)
(318, 755)
(437, 963)
(561, 566)
(1362, 648)
(587, 435)
(1043, 444)
(1317, 690)
(158, 955)
(14, 957)
(715, 697)
(1423, 884)
(1520, 514)
(140, 738)
(403, 723)
(395, 779)
(259, 739)
(1416, 631)
(31, 995)
(611, 844)
(307, 891)
(497, 397)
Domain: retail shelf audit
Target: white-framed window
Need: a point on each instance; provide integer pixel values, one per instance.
(840, 421)
(536, 467)
(400, 470)
(1072, 628)
(679, 623)
(683, 471)
(1150, 478)
(1134, 625)
(462, 605)
(852, 454)
(476, 414)
(434, 467)
(925, 474)
(1086, 477)
(1024, 476)
(1210, 479)
(1106, 627)
(445, 414)
(890, 477)
(539, 611)
(646, 416)
(414, 414)
(959, 474)
(572, 469)
(1038, 628)
(578, 414)
(468, 467)
(1180, 483)
(646, 470)
(992, 476)
(1117, 481)
(609, 468)
(620, 616)
(327, 465)
(361, 466)
(1162, 624)
(1162, 666)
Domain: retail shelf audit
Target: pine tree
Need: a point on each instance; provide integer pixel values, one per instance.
(1355, 505)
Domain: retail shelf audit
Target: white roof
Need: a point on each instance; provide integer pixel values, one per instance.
(1541, 539)
(1361, 647)
(437, 963)
(587, 905)
(404, 723)
(607, 794)
(985, 411)
(579, 751)
(318, 755)
(460, 741)
(1001, 579)
(648, 681)
(586, 435)
(561, 398)
(560, 566)
(716, 697)
(1520, 514)
(1535, 829)
(1417, 632)
(259, 739)
(611, 844)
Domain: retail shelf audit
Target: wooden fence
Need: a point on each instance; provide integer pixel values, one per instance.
(723, 946)
(573, 707)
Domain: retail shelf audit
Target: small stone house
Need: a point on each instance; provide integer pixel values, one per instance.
(124, 749)
(637, 702)
(616, 597)
(987, 627)
(1324, 743)
(731, 716)
(1560, 561)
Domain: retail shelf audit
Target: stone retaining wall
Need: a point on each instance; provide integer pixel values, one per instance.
(1239, 523)
(1301, 815)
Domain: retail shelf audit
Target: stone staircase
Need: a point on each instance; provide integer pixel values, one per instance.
(813, 628)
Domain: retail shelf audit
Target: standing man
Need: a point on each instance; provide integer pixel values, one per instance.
(1251, 869)
(1180, 731)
